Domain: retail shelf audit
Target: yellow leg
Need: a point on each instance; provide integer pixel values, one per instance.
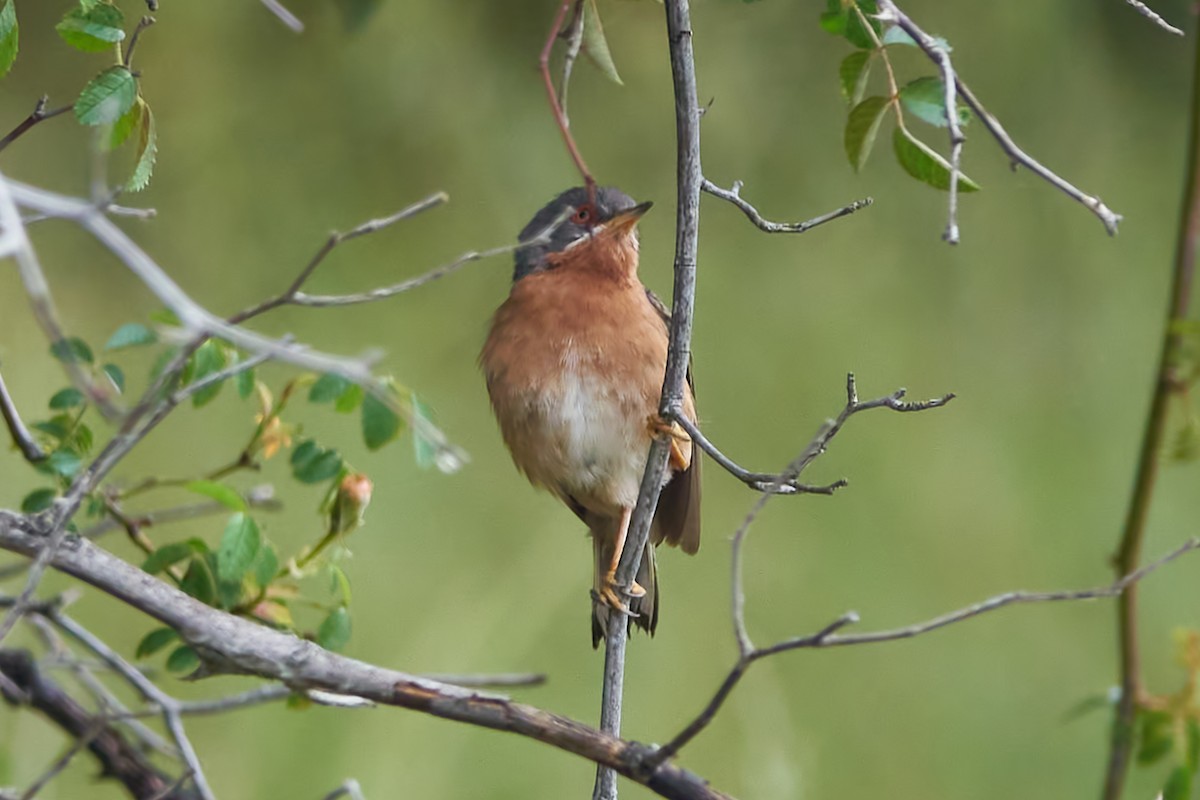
(608, 590)
(657, 425)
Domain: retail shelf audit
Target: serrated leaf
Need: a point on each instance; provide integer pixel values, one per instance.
(266, 566)
(219, 492)
(116, 375)
(239, 547)
(66, 398)
(183, 659)
(92, 28)
(147, 153)
(349, 399)
(380, 424)
(131, 334)
(38, 500)
(862, 125)
(9, 34)
(925, 164)
(245, 383)
(334, 632)
(595, 45)
(72, 349)
(155, 640)
(327, 388)
(125, 125)
(107, 97)
(926, 98)
(854, 71)
(199, 582)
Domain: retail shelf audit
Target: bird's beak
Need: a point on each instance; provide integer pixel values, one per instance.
(627, 219)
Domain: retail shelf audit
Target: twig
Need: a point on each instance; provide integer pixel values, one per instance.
(828, 637)
(1157, 19)
(60, 763)
(1166, 385)
(560, 116)
(21, 436)
(220, 376)
(143, 23)
(734, 196)
(146, 688)
(688, 179)
(371, 226)
(574, 38)
(1110, 219)
(239, 645)
(285, 16)
(349, 788)
(941, 57)
(36, 571)
(39, 114)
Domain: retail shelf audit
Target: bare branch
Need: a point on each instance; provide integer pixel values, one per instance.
(889, 11)
(1157, 19)
(143, 23)
(286, 17)
(21, 436)
(734, 196)
(39, 114)
(233, 644)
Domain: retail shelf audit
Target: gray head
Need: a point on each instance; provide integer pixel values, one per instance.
(582, 222)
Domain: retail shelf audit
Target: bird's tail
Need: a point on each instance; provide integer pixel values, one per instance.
(645, 607)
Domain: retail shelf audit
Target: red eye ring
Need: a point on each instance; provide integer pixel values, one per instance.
(583, 215)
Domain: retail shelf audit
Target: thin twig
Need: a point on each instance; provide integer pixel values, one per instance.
(223, 375)
(734, 196)
(285, 16)
(39, 114)
(143, 23)
(21, 436)
(349, 788)
(62, 761)
(1166, 385)
(36, 571)
(574, 38)
(1154, 17)
(560, 116)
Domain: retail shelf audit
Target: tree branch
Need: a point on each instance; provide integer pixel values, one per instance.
(734, 196)
(39, 114)
(286, 17)
(1149, 14)
(21, 436)
(232, 644)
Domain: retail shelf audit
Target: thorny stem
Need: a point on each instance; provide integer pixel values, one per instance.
(1165, 385)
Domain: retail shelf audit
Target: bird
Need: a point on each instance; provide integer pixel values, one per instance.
(574, 362)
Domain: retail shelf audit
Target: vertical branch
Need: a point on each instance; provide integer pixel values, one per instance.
(1129, 552)
(687, 221)
(560, 116)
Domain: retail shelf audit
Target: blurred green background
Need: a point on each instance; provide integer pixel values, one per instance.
(1045, 327)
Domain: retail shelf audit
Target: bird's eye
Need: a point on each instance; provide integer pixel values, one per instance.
(583, 215)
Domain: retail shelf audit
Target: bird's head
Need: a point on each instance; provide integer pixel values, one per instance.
(572, 225)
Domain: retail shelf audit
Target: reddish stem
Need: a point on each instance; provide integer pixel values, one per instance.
(559, 116)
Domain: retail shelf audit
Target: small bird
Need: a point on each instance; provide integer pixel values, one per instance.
(574, 362)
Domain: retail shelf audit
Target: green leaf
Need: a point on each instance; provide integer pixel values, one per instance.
(219, 492)
(8, 36)
(266, 566)
(116, 375)
(897, 35)
(861, 127)
(107, 97)
(239, 546)
(854, 71)
(198, 581)
(169, 554)
(334, 632)
(209, 358)
(1178, 785)
(312, 463)
(155, 640)
(356, 13)
(339, 584)
(926, 99)
(131, 334)
(66, 398)
(594, 43)
(63, 463)
(379, 423)
(167, 317)
(183, 659)
(835, 17)
(245, 383)
(425, 450)
(327, 388)
(147, 152)
(1156, 738)
(856, 33)
(92, 29)
(38, 500)
(349, 400)
(1093, 702)
(125, 125)
(1193, 745)
(57, 428)
(81, 438)
(72, 349)
(925, 164)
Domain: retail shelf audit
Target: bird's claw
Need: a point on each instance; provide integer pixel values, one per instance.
(609, 593)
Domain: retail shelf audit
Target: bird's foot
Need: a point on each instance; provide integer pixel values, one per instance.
(656, 425)
(609, 593)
